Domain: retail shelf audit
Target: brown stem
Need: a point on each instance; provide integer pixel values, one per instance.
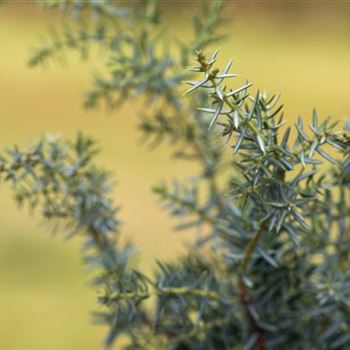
(244, 294)
(250, 248)
(257, 329)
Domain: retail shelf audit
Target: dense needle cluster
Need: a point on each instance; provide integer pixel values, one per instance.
(269, 267)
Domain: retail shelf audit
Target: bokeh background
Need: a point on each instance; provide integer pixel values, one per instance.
(301, 49)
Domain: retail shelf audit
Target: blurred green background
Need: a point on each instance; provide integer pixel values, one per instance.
(301, 49)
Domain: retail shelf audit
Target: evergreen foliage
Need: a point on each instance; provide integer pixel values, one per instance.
(269, 268)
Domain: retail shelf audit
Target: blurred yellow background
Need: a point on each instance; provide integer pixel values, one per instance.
(301, 51)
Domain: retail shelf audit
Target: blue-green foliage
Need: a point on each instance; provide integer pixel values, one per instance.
(269, 267)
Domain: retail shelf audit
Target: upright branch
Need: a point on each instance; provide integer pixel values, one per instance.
(268, 208)
(278, 189)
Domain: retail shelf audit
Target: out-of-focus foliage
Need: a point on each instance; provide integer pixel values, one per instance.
(269, 268)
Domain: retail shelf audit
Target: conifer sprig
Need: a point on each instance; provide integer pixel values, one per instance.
(269, 268)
